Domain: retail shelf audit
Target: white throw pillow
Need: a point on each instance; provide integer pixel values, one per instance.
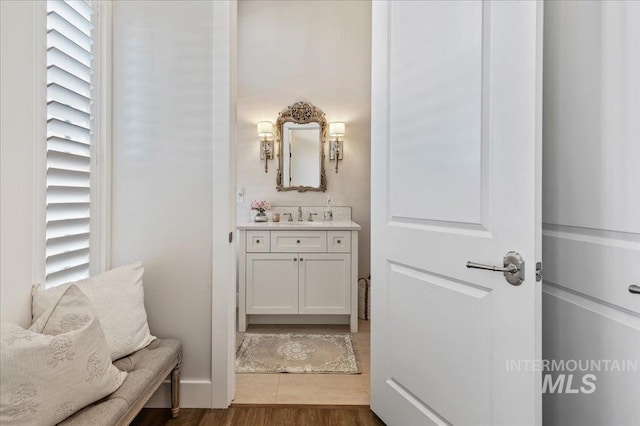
(57, 367)
(118, 300)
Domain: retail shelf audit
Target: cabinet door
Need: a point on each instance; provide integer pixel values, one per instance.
(272, 283)
(325, 286)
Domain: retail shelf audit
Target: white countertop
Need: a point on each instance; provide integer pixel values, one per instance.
(302, 226)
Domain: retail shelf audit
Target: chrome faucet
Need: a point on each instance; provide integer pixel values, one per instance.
(299, 214)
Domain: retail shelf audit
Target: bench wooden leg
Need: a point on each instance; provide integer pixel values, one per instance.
(175, 392)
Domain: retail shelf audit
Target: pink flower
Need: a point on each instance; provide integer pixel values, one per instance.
(261, 206)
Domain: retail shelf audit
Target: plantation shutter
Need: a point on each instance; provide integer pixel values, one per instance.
(69, 130)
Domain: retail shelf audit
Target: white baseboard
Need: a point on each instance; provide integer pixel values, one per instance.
(193, 394)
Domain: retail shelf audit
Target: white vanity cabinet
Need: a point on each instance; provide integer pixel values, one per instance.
(307, 274)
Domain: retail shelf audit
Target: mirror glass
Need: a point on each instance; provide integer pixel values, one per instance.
(301, 150)
(300, 135)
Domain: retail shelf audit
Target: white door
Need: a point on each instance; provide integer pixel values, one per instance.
(456, 90)
(272, 283)
(591, 215)
(325, 283)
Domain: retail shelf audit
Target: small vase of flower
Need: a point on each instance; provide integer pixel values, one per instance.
(261, 207)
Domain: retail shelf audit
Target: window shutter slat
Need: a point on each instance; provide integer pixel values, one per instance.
(70, 48)
(67, 96)
(57, 194)
(60, 228)
(64, 112)
(60, 177)
(67, 161)
(59, 24)
(71, 274)
(67, 210)
(82, 7)
(67, 126)
(64, 78)
(69, 146)
(71, 15)
(66, 244)
(60, 59)
(67, 262)
(69, 129)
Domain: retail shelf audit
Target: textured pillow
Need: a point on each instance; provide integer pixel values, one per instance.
(118, 300)
(58, 366)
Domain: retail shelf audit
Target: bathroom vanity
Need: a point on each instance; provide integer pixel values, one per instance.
(298, 273)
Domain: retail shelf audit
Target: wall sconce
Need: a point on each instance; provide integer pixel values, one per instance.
(336, 129)
(265, 131)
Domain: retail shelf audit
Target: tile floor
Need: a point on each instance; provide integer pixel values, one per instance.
(316, 389)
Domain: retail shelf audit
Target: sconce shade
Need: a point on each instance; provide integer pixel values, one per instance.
(265, 129)
(336, 128)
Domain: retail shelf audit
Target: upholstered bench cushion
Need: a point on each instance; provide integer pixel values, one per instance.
(147, 369)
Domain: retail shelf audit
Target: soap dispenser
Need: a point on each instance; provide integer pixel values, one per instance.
(328, 214)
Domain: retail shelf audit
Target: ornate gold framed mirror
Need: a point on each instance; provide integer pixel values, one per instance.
(300, 136)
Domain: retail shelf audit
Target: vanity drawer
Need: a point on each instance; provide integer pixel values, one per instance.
(339, 241)
(298, 241)
(258, 241)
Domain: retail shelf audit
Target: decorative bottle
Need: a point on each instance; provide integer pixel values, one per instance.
(328, 214)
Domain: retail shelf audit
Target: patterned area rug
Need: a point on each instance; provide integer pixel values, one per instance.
(297, 353)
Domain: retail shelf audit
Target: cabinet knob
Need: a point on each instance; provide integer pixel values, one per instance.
(338, 241)
(295, 260)
(258, 241)
(298, 241)
(301, 259)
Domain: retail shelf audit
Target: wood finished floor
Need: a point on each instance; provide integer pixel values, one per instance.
(262, 416)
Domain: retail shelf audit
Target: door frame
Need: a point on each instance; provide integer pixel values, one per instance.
(223, 273)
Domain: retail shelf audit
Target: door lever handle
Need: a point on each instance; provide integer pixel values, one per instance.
(635, 289)
(513, 267)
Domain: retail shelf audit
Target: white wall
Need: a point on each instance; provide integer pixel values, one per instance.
(18, 117)
(591, 204)
(162, 185)
(320, 52)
